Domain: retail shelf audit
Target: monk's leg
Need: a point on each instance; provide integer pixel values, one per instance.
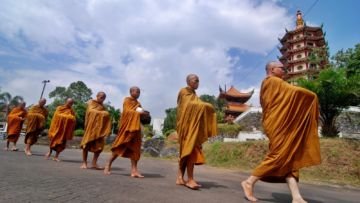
(7, 145)
(84, 156)
(107, 170)
(191, 183)
(94, 164)
(134, 170)
(181, 172)
(294, 188)
(14, 148)
(248, 187)
(47, 155)
(56, 158)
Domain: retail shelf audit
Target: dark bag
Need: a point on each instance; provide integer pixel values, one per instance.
(145, 118)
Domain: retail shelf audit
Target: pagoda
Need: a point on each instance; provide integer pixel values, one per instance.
(297, 47)
(234, 102)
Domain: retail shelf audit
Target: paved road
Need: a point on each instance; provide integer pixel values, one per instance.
(33, 179)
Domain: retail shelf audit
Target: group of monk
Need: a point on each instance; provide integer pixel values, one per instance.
(290, 121)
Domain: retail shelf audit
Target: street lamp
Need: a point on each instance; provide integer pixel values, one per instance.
(44, 81)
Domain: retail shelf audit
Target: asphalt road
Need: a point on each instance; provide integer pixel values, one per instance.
(34, 179)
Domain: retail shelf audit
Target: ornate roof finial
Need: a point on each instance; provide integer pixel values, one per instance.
(299, 19)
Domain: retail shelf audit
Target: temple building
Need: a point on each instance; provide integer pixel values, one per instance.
(298, 49)
(234, 102)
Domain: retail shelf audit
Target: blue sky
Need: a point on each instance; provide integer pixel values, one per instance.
(112, 45)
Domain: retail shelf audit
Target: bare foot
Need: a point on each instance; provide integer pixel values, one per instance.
(6, 149)
(96, 167)
(299, 200)
(47, 155)
(248, 190)
(192, 185)
(137, 175)
(83, 166)
(56, 159)
(180, 181)
(107, 170)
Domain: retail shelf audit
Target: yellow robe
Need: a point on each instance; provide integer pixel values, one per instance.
(128, 141)
(97, 127)
(15, 121)
(62, 127)
(195, 123)
(35, 123)
(290, 121)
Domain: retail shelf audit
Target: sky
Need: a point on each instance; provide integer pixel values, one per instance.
(112, 45)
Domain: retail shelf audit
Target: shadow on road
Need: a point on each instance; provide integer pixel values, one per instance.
(208, 185)
(285, 198)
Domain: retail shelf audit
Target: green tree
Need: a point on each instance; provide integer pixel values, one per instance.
(348, 60)
(7, 101)
(115, 117)
(170, 120)
(332, 87)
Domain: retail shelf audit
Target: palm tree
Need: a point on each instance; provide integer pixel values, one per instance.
(7, 102)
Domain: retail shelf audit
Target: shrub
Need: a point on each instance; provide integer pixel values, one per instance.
(168, 132)
(79, 132)
(229, 130)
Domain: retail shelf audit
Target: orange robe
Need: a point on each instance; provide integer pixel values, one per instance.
(62, 127)
(196, 122)
(15, 121)
(128, 141)
(290, 121)
(35, 123)
(97, 127)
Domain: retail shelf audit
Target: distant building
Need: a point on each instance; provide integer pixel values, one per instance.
(235, 102)
(297, 47)
(158, 125)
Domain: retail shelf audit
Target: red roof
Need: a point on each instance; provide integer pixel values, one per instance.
(234, 96)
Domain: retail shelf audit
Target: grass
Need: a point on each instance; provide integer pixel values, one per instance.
(340, 160)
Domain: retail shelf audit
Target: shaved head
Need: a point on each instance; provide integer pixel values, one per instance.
(134, 92)
(275, 68)
(69, 102)
(100, 97)
(42, 102)
(192, 81)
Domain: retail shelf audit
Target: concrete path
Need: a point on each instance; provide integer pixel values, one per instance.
(34, 179)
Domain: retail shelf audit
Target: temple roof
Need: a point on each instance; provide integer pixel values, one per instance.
(233, 95)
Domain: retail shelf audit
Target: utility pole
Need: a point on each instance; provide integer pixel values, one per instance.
(44, 81)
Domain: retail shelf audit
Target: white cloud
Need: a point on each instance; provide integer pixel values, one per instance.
(151, 44)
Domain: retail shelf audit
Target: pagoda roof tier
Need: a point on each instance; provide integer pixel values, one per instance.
(233, 95)
(303, 38)
(299, 30)
(296, 61)
(236, 108)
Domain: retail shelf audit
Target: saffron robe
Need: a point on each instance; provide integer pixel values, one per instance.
(35, 123)
(290, 121)
(97, 127)
(128, 141)
(15, 121)
(195, 123)
(62, 127)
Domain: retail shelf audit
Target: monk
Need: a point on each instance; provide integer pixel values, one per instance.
(290, 121)
(35, 123)
(128, 141)
(195, 123)
(61, 128)
(97, 127)
(15, 122)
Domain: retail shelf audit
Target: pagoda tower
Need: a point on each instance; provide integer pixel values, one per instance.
(297, 47)
(234, 102)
